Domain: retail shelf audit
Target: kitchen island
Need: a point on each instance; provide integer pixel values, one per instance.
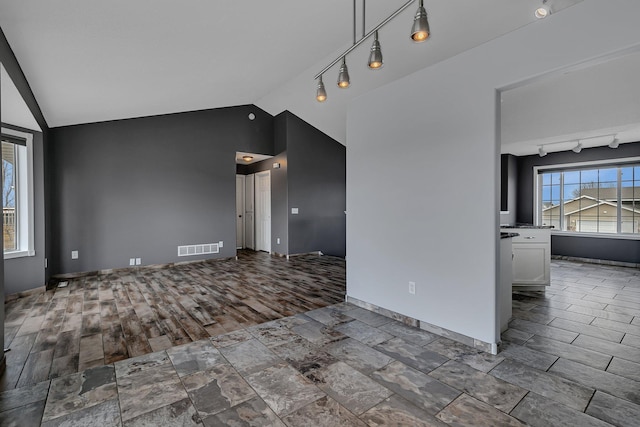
(531, 256)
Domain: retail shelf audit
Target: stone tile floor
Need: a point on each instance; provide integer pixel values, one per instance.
(570, 358)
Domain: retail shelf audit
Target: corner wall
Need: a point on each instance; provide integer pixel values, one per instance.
(423, 169)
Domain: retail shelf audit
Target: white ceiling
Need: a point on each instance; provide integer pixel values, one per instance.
(593, 104)
(96, 60)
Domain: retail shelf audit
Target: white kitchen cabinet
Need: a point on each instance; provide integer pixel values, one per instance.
(532, 257)
(504, 290)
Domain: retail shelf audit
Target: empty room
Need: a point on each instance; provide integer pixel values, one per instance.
(401, 212)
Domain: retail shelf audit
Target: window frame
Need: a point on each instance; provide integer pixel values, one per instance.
(25, 235)
(563, 167)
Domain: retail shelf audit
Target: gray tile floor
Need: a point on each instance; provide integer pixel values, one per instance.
(570, 358)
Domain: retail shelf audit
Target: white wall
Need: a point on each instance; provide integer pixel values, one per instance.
(422, 154)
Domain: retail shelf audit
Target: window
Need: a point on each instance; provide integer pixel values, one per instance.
(17, 193)
(591, 199)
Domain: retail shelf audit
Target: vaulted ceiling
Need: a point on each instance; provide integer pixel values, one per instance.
(95, 60)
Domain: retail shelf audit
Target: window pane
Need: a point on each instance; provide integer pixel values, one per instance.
(589, 177)
(9, 196)
(571, 191)
(572, 177)
(610, 174)
(627, 173)
(590, 201)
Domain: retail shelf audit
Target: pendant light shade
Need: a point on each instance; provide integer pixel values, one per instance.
(321, 93)
(343, 76)
(375, 57)
(420, 30)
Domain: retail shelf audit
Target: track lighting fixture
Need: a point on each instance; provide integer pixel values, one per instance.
(420, 30)
(343, 75)
(375, 57)
(321, 93)
(541, 151)
(543, 11)
(577, 148)
(419, 33)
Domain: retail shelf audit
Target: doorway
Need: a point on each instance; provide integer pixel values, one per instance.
(263, 211)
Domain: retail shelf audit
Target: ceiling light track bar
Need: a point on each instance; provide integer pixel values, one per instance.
(364, 37)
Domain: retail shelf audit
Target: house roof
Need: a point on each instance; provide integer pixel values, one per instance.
(591, 206)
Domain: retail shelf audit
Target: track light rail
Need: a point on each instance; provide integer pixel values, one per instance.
(364, 37)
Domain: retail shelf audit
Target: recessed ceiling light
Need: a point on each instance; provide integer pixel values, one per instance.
(247, 158)
(252, 116)
(541, 12)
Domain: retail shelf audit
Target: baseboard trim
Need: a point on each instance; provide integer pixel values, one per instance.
(443, 332)
(596, 261)
(17, 295)
(77, 275)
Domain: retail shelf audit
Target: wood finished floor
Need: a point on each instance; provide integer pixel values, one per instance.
(98, 320)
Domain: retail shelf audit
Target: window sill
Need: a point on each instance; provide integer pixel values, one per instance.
(596, 235)
(19, 254)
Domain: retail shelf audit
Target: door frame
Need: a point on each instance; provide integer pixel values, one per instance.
(240, 200)
(258, 214)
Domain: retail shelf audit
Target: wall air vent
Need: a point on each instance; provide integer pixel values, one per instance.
(201, 249)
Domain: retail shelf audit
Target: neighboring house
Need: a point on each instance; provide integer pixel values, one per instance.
(589, 214)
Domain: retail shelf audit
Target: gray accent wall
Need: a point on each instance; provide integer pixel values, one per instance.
(508, 189)
(317, 187)
(599, 248)
(139, 188)
(311, 177)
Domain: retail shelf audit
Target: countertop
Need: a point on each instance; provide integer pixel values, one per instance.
(504, 235)
(541, 227)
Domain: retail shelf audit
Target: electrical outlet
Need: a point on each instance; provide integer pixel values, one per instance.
(74, 254)
(220, 244)
(278, 240)
(132, 261)
(412, 288)
(138, 261)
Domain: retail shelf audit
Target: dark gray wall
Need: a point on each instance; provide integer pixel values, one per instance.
(624, 250)
(24, 273)
(139, 188)
(508, 188)
(317, 187)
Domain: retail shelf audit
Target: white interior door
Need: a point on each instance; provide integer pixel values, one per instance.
(240, 189)
(249, 213)
(263, 211)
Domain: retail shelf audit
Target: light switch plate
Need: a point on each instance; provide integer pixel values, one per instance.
(294, 211)
(221, 244)
(74, 254)
(138, 261)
